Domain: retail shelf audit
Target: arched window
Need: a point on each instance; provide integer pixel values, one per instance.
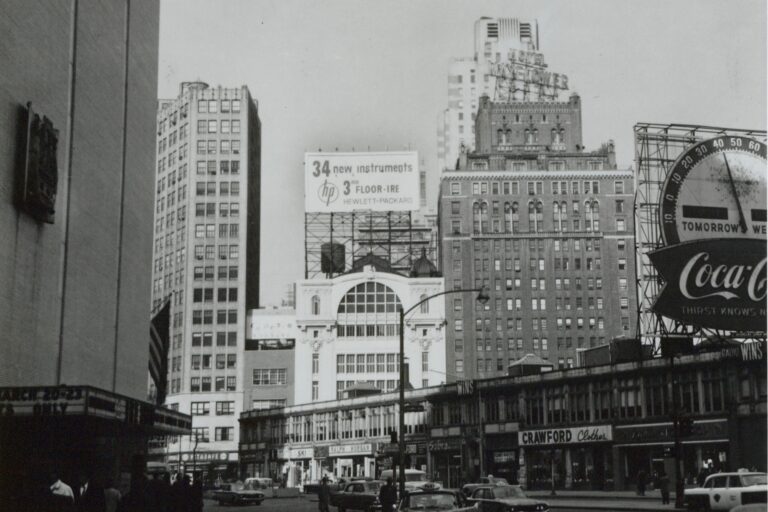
(515, 217)
(528, 136)
(475, 218)
(539, 216)
(500, 136)
(315, 305)
(535, 136)
(484, 218)
(531, 216)
(556, 216)
(507, 218)
(564, 216)
(369, 310)
(508, 136)
(424, 306)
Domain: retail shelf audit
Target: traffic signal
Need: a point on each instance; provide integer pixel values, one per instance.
(686, 427)
(393, 436)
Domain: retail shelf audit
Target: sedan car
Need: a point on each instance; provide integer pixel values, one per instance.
(467, 489)
(358, 495)
(239, 494)
(505, 498)
(433, 500)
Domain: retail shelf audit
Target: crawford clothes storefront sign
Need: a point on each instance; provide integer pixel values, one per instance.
(713, 221)
(592, 434)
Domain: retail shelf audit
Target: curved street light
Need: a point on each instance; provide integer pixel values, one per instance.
(482, 298)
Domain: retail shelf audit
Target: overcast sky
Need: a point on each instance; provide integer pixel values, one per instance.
(372, 74)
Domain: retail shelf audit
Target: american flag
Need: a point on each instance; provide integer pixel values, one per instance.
(159, 339)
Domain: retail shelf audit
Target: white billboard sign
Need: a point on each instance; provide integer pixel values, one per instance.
(346, 182)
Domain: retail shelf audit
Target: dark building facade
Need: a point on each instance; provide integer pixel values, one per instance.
(586, 427)
(547, 227)
(74, 282)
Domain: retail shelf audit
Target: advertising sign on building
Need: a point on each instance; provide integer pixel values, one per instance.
(575, 435)
(350, 449)
(346, 182)
(713, 221)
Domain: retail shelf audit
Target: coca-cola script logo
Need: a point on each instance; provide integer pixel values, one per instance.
(718, 284)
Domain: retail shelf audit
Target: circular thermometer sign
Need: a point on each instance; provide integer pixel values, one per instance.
(716, 189)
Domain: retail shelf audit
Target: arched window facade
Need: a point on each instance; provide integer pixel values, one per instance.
(369, 310)
(424, 306)
(535, 216)
(592, 213)
(480, 217)
(315, 305)
(507, 218)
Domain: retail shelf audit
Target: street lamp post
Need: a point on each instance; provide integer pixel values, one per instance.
(482, 297)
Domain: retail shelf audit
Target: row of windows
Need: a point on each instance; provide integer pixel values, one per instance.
(212, 106)
(205, 339)
(209, 230)
(208, 252)
(222, 434)
(225, 147)
(203, 384)
(535, 225)
(223, 361)
(517, 344)
(212, 126)
(222, 295)
(367, 363)
(367, 330)
(384, 385)
(591, 206)
(209, 209)
(226, 408)
(535, 187)
(205, 316)
(225, 167)
(226, 188)
(269, 376)
(223, 273)
(516, 324)
(515, 244)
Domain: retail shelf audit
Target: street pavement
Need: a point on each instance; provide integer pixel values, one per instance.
(564, 501)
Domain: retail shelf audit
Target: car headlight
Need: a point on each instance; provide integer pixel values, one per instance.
(542, 506)
(511, 509)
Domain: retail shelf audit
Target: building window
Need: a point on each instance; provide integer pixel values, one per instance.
(200, 434)
(269, 376)
(200, 408)
(315, 305)
(225, 408)
(225, 433)
(315, 390)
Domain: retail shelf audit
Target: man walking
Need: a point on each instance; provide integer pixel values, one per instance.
(387, 496)
(324, 495)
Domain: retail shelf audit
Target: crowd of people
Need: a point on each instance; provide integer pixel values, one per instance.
(156, 494)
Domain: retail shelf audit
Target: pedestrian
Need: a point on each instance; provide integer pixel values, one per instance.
(89, 496)
(664, 486)
(196, 496)
(387, 496)
(181, 492)
(641, 482)
(324, 495)
(111, 496)
(61, 497)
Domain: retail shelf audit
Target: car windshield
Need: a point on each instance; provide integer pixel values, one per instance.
(374, 486)
(501, 493)
(415, 477)
(753, 480)
(498, 480)
(250, 486)
(431, 502)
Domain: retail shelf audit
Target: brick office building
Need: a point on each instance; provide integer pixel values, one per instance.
(547, 227)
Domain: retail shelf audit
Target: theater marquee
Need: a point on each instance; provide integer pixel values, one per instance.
(713, 221)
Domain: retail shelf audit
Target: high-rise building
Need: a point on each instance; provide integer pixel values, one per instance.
(206, 259)
(470, 78)
(547, 228)
(76, 152)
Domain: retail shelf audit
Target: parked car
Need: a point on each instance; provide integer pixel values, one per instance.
(433, 500)
(239, 494)
(484, 480)
(358, 495)
(414, 479)
(505, 498)
(724, 491)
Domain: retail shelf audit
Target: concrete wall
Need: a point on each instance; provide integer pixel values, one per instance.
(63, 284)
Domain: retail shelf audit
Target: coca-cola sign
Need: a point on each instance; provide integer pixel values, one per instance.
(719, 283)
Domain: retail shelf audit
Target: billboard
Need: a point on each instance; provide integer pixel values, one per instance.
(713, 220)
(347, 182)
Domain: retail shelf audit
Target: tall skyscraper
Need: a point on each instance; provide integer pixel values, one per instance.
(469, 78)
(547, 228)
(206, 259)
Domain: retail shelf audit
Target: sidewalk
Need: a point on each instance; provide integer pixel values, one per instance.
(605, 500)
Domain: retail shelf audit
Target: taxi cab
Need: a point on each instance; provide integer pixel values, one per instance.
(724, 491)
(431, 499)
